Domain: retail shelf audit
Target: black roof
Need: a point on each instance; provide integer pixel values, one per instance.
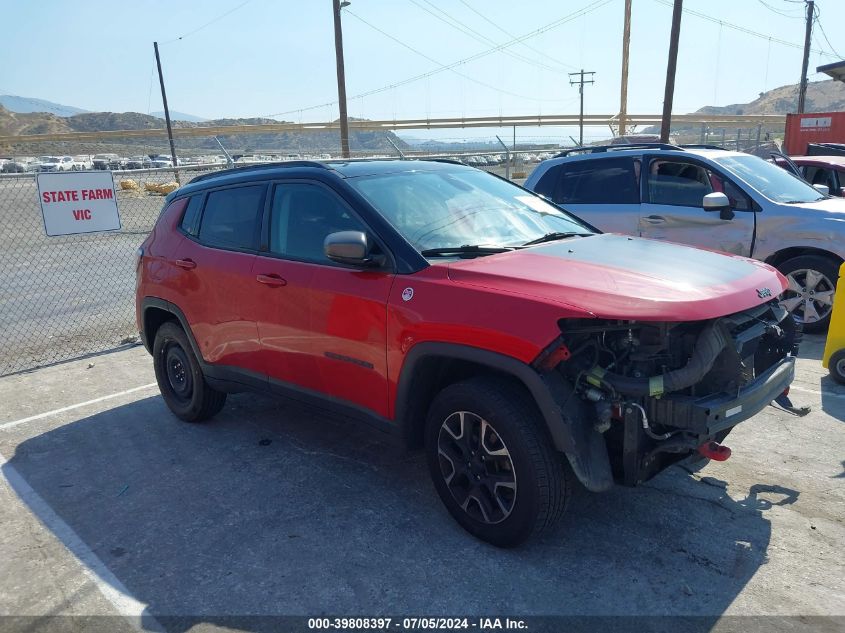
(338, 168)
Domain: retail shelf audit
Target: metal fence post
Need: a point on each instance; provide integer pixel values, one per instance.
(507, 158)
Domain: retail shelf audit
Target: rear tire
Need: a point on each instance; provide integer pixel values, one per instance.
(812, 280)
(492, 464)
(180, 378)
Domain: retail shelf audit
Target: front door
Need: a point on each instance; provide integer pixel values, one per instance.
(672, 209)
(322, 325)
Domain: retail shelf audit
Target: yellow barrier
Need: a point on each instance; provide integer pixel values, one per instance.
(834, 348)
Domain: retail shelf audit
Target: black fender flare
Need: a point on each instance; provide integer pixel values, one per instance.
(172, 308)
(571, 431)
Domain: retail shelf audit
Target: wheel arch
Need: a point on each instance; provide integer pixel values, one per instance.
(784, 255)
(154, 313)
(431, 366)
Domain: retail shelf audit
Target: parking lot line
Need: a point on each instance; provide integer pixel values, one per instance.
(8, 425)
(826, 394)
(95, 569)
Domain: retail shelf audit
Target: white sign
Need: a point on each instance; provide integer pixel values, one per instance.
(78, 202)
(816, 122)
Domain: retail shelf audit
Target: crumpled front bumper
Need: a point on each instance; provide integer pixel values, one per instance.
(711, 414)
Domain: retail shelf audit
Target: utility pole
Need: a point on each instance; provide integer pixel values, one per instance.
(802, 89)
(626, 44)
(166, 112)
(669, 94)
(341, 78)
(580, 83)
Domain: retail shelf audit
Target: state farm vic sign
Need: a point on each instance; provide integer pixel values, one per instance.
(78, 202)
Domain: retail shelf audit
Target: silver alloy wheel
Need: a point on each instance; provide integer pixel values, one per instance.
(476, 467)
(809, 295)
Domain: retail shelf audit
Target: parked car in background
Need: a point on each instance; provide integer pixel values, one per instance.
(13, 166)
(83, 162)
(827, 171)
(138, 162)
(161, 161)
(717, 199)
(108, 161)
(518, 347)
(57, 163)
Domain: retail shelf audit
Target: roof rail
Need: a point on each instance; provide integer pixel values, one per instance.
(260, 166)
(701, 146)
(599, 149)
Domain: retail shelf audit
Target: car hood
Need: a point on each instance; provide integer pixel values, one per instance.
(830, 205)
(619, 277)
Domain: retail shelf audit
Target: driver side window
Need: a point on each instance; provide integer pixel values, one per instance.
(684, 184)
(302, 216)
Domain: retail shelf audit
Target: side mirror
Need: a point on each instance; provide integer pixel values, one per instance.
(351, 248)
(842, 191)
(717, 201)
(822, 189)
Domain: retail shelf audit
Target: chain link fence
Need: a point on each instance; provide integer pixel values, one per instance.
(70, 296)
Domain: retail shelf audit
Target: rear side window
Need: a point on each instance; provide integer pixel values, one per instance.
(232, 217)
(604, 181)
(548, 181)
(191, 220)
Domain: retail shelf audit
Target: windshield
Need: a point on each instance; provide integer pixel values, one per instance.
(775, 183)
(51, 160)
(453, 208)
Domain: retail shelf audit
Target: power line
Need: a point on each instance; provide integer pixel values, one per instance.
(478, 37)
(209, 23)
(817, 20)
(596, 4)
(779, 12)
(509, 34)
(434, 61)
(743, 29)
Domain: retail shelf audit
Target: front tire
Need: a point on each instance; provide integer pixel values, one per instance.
(836, 366)
(180, 378)
(493, 466)
(812, 283)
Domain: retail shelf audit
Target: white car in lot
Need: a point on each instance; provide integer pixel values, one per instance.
(57, 163)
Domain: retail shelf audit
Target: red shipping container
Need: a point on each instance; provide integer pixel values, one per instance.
(815, 127)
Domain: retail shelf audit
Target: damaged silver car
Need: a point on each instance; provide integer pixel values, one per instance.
(712, 198)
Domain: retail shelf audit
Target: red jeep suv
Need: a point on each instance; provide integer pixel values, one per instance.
(522, 348)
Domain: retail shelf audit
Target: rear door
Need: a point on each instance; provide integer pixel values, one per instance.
(603, 191)
(322, 325)
(672, 209)
(215, 287)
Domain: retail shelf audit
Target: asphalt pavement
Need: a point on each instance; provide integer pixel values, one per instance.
(111, 506)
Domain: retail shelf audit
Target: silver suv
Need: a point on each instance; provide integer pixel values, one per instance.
(712, 198)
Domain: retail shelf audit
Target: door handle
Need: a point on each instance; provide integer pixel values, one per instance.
(187, 264)
(273, 280)
(655, 219)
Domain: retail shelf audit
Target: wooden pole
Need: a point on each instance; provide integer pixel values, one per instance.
(669, 94)
(626, 43)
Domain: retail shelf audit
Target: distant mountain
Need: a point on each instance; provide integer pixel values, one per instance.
(13, 123)
(822, 96)
(26, 105)
(180, 116)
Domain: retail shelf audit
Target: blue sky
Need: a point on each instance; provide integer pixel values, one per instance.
(277, 56)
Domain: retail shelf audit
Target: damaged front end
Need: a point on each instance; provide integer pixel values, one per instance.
(659, 392)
